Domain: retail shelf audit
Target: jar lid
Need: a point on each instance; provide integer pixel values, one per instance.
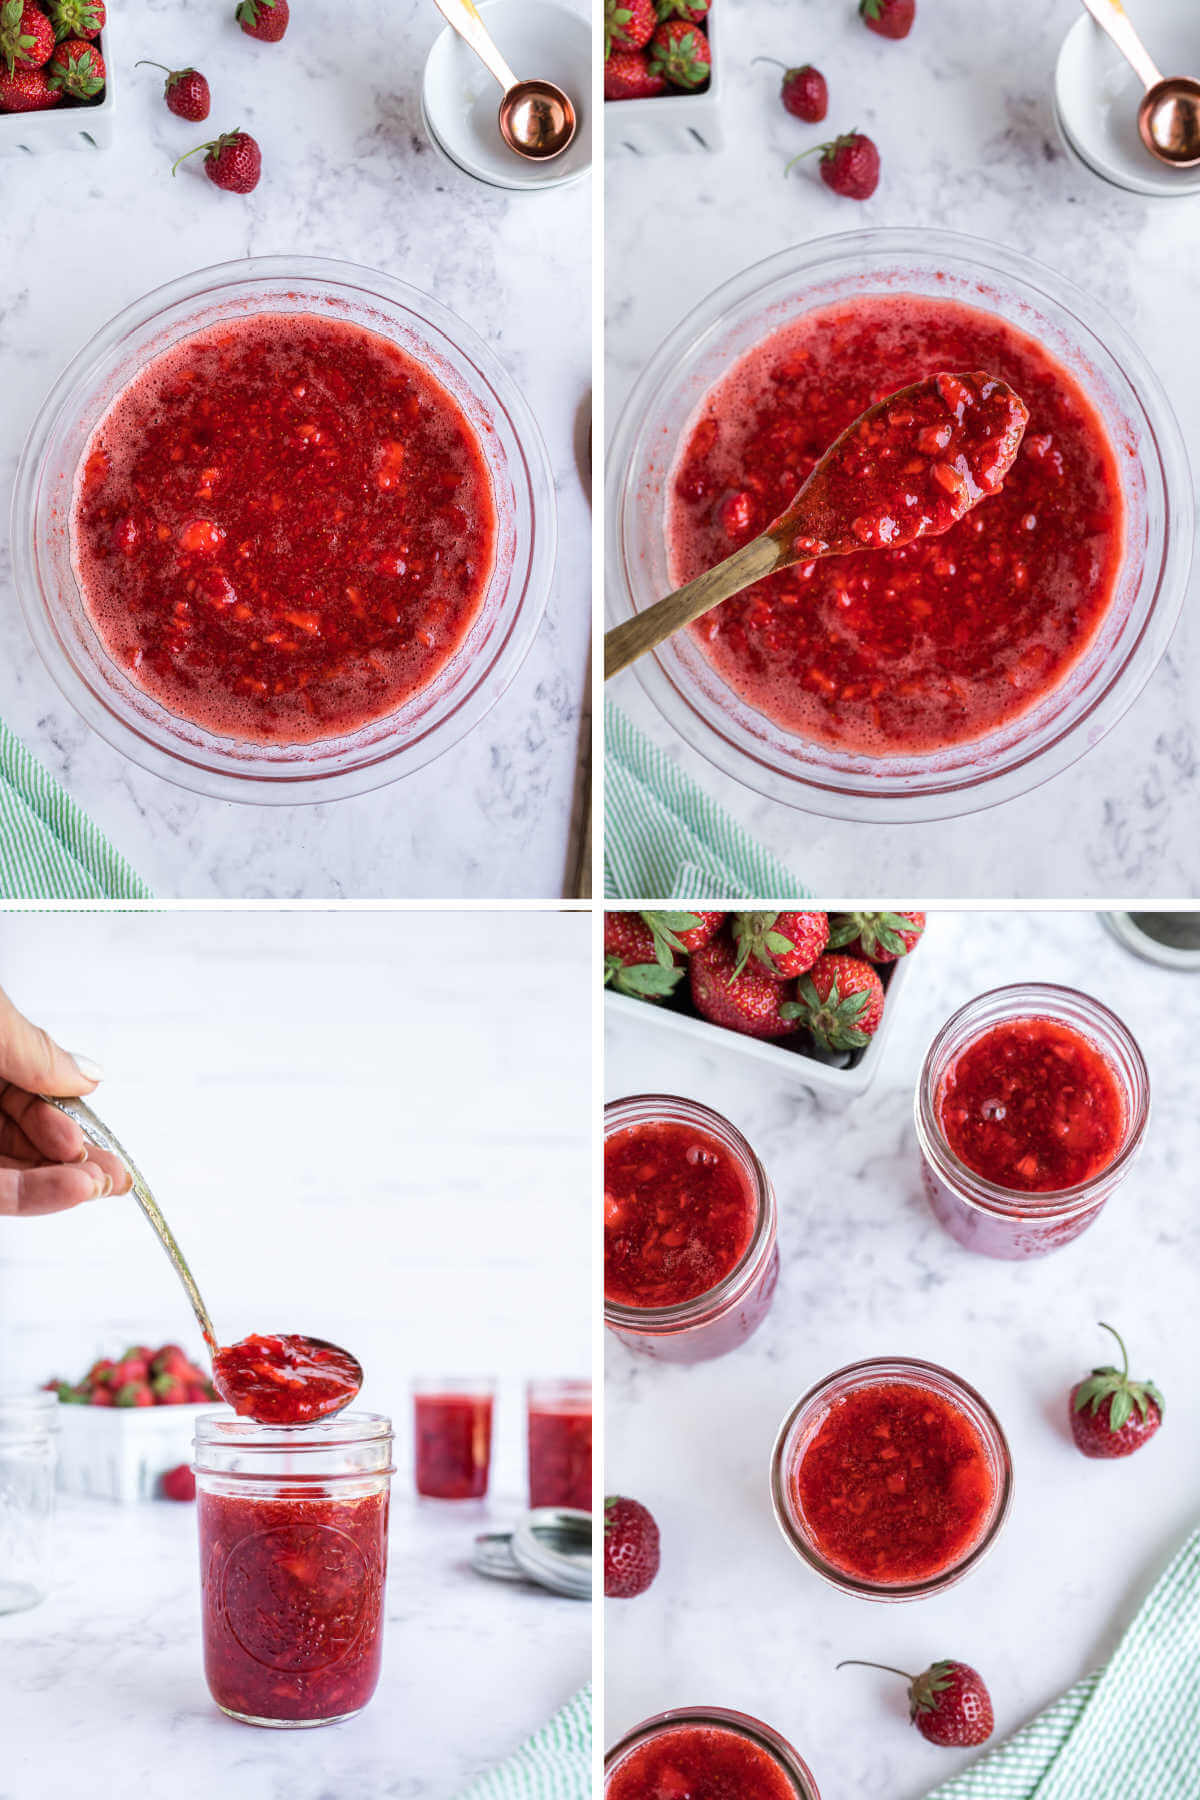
(1170, 939)
(551, 1547)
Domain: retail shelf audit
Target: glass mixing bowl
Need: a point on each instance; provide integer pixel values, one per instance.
(1154, 473)
(428, 722)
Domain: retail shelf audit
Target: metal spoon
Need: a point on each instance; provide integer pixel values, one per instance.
(97, 1132)
(537, 120)
(1168, 118)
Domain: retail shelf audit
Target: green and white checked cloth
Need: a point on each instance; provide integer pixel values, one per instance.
(556, 1763)
(1129, 1732)
(664, 839)
(49, 849)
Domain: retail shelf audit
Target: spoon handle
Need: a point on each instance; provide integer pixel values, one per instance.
(1111, 16)
(98, 1133)
(646, 630)
(462, 16)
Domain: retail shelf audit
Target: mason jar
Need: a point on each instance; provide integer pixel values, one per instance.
(748, 1757)
(28, 1453)
(293, 1525)
(559, 1428)
(719, 1320)
(982, 1214)
(452, 1435)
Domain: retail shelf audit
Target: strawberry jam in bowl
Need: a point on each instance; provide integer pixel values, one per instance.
(691, 1258)
(891, 1478)
(944, 675)
(284, 530)
(293, 1565)
(1031, 1107)
(705, 1753)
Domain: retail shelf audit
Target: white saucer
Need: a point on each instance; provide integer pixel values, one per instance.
(1096, 95)
(460, 100)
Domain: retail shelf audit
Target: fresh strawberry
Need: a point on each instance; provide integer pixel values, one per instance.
(628, 24)
(627, 77)
(169, 1390)
(784, 944)
(134, 1393)
(948, 1704)
(888, 18)
(232, 161)
(133, 1366)
(76, 18)
(1111, 1415)
(78, 69)
(683, 931)
(200, 1392)
(692, 11)
(69, 1395)
(266, 20)
(631, 1549)
(28, 90)
(26, 36)
(101, 1396)
(803, 90)
(179, 1483)
(185, 90)
(840, 1001)
(636, 962)
(879, 936)
(752, 1002)
(849, 165)
(100, 1370)
(679, 52)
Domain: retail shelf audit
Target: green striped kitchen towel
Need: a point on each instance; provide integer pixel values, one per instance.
(664, 839)
(556, 1763)
(1129, 1732)
(49, 849)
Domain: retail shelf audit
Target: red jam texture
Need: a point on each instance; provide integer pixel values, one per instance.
(698, 1762)
(453, 1445)
(285, 1380)
(895, 1486)
(284, 528)
(560, 1453)
(913, 466)
(1032, 1105)
(901, 651)
(679, 1214)
(293, 1601)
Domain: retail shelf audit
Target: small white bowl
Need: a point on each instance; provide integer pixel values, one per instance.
(460, 101)
(1096, 96)
(66, 126)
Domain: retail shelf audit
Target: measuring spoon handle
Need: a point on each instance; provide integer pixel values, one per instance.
(1111, 17)
(463, 18)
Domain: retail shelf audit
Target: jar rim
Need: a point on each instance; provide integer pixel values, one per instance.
(895, 1369)
(719, 1718)
(681, 1314)
(233, 1431)
(1034, 1000)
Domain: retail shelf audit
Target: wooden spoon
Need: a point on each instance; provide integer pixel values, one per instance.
(911, 466)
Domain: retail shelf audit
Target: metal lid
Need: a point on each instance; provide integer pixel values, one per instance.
(550, 1547)
(1170, 939)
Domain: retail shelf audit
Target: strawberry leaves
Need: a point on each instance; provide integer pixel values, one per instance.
(1114, 1385)
(666, 927)
(643, 981)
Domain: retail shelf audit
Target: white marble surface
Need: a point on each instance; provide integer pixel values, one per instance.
(348, 173)
(734, 1618)
(348, 1140)
(107, 1672)
(961, 112)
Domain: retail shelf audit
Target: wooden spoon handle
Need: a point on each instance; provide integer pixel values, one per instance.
(625, 643)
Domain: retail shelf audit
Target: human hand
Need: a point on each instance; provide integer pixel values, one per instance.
(46, 1164)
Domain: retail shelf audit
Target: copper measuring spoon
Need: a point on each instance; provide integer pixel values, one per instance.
(97, 1132)
(820, 520)
(537, 120)
(1168, 117)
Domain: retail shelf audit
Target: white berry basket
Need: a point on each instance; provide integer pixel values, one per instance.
(66, 126)
(670, 121)
(122, 1452)
(791, 1062)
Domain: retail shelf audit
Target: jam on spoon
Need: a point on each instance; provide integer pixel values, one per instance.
(911, 466)
(286, 1380)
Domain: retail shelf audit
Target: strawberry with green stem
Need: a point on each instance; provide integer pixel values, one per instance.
(232, 161)
(679, 52)
(839, 1001)
(26, 36)
(185, 91)
(849, 165)
(784, 944)
(628, 24)
(1112, 1415)
(76, 18)
(752, 1003)
(627, 77)
(682, 932)
(266, 20)
(804, 91)
(691, 11)
(77, 68)
(949, 1704)
(27, 90)
(631, 1548)
(881, 937)
(634, 959)
(888, 18)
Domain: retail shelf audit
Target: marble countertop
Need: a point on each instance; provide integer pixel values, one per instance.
(109, 1667)
(734, 1618)
(961, 112)
(349, 174)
